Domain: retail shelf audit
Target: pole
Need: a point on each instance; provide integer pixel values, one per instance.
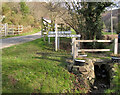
(56, 36)
(73, 39)
(58, 42)
(74, 50)
(111, 22)
(116, 46)
(49, 40)
(5, 29)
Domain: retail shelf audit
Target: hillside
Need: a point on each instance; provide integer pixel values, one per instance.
(106, 17)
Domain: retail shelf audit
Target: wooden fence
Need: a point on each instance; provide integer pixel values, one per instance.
(75, 49)
(6, 29)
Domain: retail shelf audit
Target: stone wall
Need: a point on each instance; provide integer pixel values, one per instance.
(110, 37)
(85, 71)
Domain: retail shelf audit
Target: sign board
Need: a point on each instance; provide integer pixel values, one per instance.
(62, 34)
(57, 34)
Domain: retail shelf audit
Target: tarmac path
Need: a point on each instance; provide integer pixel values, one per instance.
(7, 42)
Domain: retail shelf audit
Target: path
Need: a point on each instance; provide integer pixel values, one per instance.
(18, 40)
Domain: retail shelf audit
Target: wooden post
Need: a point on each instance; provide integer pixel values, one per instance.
(116, 46)
(13, 29)
(74, 50)
(18, 29)
(56, 42)
(49, 40)
(73, 39)
(5, 29)
(79, 43)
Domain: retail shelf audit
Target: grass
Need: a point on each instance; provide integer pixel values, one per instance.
(35, 30)
(108, 33)
(35, 67)
(116, 82)
(73, 31)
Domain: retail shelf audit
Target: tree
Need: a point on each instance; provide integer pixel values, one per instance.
(24, 8)
(85, 18)
(53, 11)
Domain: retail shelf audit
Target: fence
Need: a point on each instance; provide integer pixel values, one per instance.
(75, 49)
(6, 29)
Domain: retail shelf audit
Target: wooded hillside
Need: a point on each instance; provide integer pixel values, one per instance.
(116, 19)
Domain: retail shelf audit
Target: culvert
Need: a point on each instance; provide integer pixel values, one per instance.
(102, 78)
(99, 74)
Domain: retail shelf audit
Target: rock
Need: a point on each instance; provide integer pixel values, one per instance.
(82, 69)
(99, 61)
(92, 81)
(90, 78)
(89, 91)
(91, 74)
(85, 73)
(69, 61)
(95, 87)
(89, 61)
(75, 69)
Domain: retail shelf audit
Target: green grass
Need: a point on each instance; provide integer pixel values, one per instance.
(108, 33)
(116, 82)
(35, 30)
(73, 31)
(35, 67)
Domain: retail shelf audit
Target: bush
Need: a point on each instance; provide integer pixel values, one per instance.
(12, 16)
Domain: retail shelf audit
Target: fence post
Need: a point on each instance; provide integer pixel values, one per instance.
(78, 43)
(56, 42)
(49, 40)
(18, 29)
(73, 39)
(116, 46)
(74, 49)
(5, 29)
(13, 32)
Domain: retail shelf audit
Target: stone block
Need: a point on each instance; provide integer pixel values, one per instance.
(75, 69)
(69, 67)
(82, 69)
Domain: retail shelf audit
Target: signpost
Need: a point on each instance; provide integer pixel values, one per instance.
(57, 34)
(56, 38)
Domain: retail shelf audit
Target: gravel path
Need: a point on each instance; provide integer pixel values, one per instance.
(18, 40)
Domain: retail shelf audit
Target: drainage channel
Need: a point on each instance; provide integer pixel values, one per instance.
(98, 74)
(102, 78)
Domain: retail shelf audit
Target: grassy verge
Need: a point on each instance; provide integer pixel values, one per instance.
(35, 30)
(35, 67)
(108, 33)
